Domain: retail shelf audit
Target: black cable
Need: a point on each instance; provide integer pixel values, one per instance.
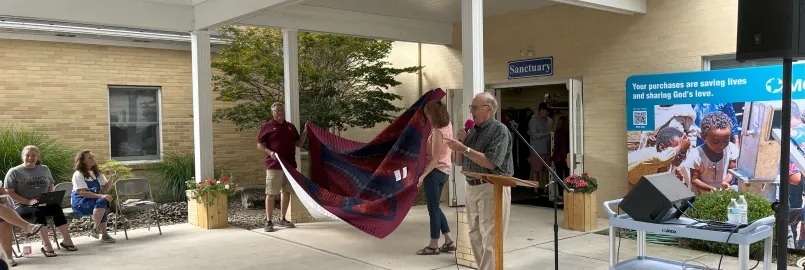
(726, 244)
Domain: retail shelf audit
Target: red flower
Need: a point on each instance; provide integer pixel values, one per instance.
(224, 180)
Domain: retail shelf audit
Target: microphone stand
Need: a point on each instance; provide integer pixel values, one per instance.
(555, 199)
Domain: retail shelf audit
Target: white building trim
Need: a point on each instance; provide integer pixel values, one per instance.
(343, 22)
(202, 105)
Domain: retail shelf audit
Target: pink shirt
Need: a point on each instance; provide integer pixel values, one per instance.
(444, 162)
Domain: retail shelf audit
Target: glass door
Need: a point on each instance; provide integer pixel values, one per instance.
(576, 157)
(457, 185)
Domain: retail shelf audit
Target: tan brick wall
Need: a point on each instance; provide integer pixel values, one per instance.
(403, 54)
(604, 49)
(463, 246)
(64, 87)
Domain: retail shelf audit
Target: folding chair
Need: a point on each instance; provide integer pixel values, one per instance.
(68, 188)
(135, 187)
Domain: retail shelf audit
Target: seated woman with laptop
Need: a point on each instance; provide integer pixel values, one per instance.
(29, 183)
(88, 198)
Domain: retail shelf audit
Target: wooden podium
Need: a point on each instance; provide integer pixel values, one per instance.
(500, 181)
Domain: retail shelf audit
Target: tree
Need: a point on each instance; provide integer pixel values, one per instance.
(341, 79)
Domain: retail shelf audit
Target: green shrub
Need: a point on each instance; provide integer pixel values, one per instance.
(55, 153)
(713, 206)
(169, 177)
(121, 172)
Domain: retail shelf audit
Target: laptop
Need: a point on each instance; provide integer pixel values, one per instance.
(54, 197)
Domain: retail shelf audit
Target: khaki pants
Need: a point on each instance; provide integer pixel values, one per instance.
(481, 222)
(276, 182)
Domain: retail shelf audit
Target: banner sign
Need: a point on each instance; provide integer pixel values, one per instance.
(536, 67)
(717, 130)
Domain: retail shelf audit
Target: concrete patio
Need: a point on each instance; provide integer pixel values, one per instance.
(337, 245)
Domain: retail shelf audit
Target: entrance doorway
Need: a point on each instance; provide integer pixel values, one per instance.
(565, 99)
(561, 147)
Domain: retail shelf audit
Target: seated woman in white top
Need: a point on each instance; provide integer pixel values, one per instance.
(88, 198)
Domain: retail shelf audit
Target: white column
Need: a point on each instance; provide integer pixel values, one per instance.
(202, 104)
(472, 50)
(290, 49)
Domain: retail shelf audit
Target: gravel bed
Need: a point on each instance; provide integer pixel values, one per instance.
(170, 213)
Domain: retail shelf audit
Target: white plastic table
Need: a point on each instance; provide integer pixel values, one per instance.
(761, 229)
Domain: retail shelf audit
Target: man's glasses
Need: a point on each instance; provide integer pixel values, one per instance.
(476, 107)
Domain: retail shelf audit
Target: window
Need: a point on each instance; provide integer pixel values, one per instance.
(134, 123)
(728, 62)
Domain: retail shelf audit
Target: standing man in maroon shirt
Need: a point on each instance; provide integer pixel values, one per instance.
(278, 137)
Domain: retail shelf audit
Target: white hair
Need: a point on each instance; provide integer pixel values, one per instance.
(490, 100)
(273, 106)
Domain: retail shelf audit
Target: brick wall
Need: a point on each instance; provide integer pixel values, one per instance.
(64, 87)
(604, 49)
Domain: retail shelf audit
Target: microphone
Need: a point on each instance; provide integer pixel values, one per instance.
(468, 125)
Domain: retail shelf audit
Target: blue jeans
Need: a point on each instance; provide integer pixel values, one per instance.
(434, 184)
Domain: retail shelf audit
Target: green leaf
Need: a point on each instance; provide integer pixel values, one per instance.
(342, 80)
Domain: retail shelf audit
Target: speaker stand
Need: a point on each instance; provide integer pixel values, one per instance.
(785, 152)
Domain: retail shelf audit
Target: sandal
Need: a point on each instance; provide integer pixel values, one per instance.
(13, 263)
(48, 253)
(68, 247)
(424, 251)
(447, 247)
(35, 231)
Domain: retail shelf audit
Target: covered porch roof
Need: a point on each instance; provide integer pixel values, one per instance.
(425, 21)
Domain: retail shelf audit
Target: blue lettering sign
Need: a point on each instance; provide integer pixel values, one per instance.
(645, 92)
(536, 67)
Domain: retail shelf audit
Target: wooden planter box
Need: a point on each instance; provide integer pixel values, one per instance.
(208, 217)
(581, 211)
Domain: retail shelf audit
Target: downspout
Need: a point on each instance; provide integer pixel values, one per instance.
(419, 64)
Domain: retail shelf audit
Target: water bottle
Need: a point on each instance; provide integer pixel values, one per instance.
(733, 213)
(744, 207)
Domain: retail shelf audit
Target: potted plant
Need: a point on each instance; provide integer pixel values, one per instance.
(580, 208)
(207, 202)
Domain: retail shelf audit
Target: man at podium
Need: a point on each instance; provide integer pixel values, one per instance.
(485, 148)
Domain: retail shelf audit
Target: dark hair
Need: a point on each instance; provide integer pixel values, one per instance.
(667, 135)
(715, 120)
(544, 106)
(82, 167)
(437, 111)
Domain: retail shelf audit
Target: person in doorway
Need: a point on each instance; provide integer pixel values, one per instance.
(435, 176)
(710, 162)
(561, 148)
(278, 139)
(89, 196)
(671, 150)
(539, 129)
(25, 184)
(486, 149)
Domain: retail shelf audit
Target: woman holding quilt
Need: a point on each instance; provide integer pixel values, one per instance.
(435, 176)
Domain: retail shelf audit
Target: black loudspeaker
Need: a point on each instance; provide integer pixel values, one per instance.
(657, 198)
(770, 29)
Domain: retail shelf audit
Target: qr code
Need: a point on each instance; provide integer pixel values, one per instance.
(640, 118)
